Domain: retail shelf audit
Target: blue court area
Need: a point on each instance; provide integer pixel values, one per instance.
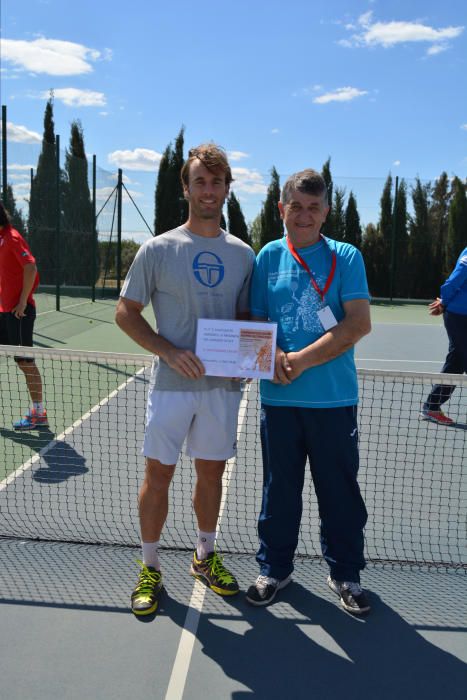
(65, 623)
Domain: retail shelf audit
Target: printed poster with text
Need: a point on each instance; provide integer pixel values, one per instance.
(236, 348)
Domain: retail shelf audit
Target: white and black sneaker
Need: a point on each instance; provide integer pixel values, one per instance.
(352, 595)
(264, 589)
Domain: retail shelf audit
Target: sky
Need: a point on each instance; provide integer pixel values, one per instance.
(379, 86)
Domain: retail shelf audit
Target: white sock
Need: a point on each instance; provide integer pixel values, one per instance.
(205, 544)
(38, 406)
(151, 554)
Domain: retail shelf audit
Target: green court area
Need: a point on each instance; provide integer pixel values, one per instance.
(85, 325)
(79, 478)
(81, 325)
(72, 388)
(403, 312)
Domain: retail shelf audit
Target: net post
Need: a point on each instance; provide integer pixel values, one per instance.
(57, 228)
(119, 229)
(94, 231)
(4, 157)
(393, 241)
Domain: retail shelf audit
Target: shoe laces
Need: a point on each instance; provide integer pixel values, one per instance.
(262, 582)
(216, 567)
(148, 580)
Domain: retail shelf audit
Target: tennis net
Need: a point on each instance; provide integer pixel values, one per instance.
(77, 480)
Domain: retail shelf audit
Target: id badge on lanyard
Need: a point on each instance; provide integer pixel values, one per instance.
(325, 315)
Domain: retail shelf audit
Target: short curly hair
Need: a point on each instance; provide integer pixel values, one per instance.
(212, 156)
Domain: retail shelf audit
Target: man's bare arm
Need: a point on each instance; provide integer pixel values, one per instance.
(128, 317)
(337, 340)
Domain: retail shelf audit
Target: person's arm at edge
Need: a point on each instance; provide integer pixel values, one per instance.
(355, 324)
(29, 277)
(129, 318)
(453, 283)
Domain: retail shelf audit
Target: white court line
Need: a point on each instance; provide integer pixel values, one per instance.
(71, 306)
(29, 463)
(187, 640)
(417, 362)
(391, 323)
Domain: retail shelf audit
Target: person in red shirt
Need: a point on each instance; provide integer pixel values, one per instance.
(18, 281)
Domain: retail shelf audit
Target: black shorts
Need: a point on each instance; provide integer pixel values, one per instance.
(17, 331)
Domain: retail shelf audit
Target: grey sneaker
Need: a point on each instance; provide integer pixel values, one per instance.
(264, 589)
(352, 595)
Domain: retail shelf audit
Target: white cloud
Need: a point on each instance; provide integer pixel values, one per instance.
(22, 188)
(237, 155)
(22, 177)
(73, 97)
(274, 131)
(344, 94)
(138, 159)
(389, 34)
(249, 181)
(51, 56)
(304, 92)
(436, 48)
(17, 166)
(20, 134)
(464, 127)
(397, 163)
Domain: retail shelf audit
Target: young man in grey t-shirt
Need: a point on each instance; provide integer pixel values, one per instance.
(195, 271)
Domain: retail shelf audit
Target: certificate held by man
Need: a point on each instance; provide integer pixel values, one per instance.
(236, 348)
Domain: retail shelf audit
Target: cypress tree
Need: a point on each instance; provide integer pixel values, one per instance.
(373, 254)
(401, 243)
(337, 229)
(420, 245)
(353, 229)
(162, 195)
(180, 213)
(43, 202)
(457, 223)
(171, 207)
(255, 233)
(385, 229)
(17, 219)
(237, 224)
(326, 228)
(439, 214)
(271, 222)
(77, 229)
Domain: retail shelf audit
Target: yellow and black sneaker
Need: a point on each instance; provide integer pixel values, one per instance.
(145, 597)
(213, 572)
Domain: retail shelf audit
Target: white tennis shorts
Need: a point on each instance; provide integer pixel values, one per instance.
(207, 419)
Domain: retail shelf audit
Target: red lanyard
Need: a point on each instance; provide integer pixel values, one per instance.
(301, 262)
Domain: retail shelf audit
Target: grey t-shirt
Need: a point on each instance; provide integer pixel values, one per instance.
(187, 277)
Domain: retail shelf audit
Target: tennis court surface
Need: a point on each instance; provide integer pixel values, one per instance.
(69, 540)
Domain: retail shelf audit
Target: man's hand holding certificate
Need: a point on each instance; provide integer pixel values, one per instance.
(236, 348)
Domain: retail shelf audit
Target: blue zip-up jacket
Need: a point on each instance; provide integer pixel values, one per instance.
(454, 290)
